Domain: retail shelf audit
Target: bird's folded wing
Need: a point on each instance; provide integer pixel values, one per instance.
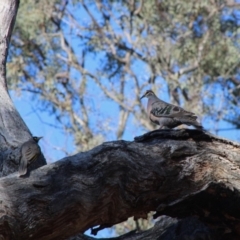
(28, 153)
(169, 110)
(31, 153)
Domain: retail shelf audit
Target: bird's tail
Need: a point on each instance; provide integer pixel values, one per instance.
(22, 167)
(192, 121)
(198, 126)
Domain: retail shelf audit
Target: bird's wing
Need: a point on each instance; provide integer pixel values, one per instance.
(31, 152)
(162, 109)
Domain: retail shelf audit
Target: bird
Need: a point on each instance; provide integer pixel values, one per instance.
(168, 115)
(30, 151)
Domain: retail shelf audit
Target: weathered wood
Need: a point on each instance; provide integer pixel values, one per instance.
(13, 130)
(179, 173)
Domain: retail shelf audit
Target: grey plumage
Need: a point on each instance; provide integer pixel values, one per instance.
(30, 151)
(168, 115)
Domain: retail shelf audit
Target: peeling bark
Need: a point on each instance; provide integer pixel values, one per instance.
(179, 173)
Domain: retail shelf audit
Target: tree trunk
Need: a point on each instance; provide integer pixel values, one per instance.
(179, 173)
(13, 130)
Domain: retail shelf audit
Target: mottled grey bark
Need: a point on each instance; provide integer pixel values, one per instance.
(13, 130)
(179, 173)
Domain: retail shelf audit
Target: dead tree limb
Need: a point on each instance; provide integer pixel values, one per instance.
(179, 173)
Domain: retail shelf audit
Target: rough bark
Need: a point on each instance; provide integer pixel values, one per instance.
(13, 130)
(179, 173)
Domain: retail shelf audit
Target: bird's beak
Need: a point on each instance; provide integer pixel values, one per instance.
(142, 97)
(39, 138)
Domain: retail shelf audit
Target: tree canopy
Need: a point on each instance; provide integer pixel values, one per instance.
(81, 58)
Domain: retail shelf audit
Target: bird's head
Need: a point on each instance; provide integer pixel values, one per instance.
(36, 139)
(148, 94)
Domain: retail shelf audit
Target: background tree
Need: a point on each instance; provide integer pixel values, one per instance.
(81, 58)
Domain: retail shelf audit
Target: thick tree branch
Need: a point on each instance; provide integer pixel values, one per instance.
(179, 173)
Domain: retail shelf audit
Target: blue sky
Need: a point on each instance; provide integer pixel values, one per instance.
(38, 123)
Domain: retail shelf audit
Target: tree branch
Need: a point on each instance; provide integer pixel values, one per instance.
(173, 172)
